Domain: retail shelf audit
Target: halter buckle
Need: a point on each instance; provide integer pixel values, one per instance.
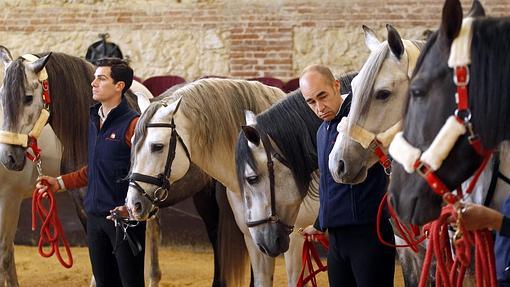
(274, 218)
(423, 169)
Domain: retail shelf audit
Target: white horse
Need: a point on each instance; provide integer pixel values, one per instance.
(201, 127)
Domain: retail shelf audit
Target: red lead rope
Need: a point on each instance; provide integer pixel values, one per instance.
(450, 272)
(51, 228)
(309, 253)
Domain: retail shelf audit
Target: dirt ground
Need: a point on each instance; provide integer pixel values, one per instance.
(181, 266)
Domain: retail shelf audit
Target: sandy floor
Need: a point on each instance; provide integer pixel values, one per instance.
(180, 266)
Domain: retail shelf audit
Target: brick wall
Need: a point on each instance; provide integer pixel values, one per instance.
(207, 37)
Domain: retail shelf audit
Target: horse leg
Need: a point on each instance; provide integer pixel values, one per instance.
(306, 216)
(232, 249)
(207, 208)
(10, 202)
(262, 265)
(152, 242)
(410, 262)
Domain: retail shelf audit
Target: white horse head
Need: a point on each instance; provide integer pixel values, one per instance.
(159, 157)
(22, 101)
(379, 92)
(270, 204)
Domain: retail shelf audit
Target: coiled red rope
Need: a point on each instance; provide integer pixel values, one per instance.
(450, 272)
(51, 232)
(310, 253)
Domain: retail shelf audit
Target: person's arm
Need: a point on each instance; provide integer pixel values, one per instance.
(71, 180)
(130, 132)
(74, 179)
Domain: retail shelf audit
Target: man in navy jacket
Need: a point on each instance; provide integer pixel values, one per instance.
(348, 212)
(111, 126)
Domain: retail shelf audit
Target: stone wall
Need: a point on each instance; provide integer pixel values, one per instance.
(243, 38)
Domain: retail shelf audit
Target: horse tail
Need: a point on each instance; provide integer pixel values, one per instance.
(233, 252)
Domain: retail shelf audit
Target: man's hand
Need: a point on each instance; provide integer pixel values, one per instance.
(121, 211)
(311, 231)
(51, 181)
(475, 216)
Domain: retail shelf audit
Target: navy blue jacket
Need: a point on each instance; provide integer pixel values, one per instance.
(502, 248)
(344, 204)
(108, 159)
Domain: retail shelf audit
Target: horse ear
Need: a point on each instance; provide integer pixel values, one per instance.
(251, 134)
(250, 117)
(395, 41)
(476, 10)
(451, 20)
(371, 40)
(39, 64)
(5, 55)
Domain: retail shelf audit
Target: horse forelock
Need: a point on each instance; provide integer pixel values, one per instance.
(216, 109)
(12, 91)
(363, 83)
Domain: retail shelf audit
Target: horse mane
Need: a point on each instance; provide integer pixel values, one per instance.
(293, 126)
(490, 80)
(364, 82)
(217, 108)
(69, 79)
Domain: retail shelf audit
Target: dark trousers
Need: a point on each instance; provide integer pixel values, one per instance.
(121, 268)
(357, 258)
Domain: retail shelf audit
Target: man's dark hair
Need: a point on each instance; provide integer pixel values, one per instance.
(121, 71)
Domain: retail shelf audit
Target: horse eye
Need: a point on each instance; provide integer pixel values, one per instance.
(382, 94)
(28, 99)
(416, 92)
(157, 147)
(252, 179)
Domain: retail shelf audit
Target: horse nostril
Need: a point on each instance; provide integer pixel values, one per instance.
(11, 159)
(262, 249)
(341, 167)
(138, 207)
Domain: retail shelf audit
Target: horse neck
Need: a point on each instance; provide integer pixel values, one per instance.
(219, 165)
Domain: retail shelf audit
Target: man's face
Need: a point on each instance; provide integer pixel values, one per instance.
(103, 88)
(322, 97)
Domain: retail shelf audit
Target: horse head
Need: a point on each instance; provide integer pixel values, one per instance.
(378, 95)
(23, 105)
(263, 175)
(447, 154)
(159, 157)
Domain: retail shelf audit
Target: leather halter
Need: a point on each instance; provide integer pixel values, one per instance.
(160, 194)
(270, 153)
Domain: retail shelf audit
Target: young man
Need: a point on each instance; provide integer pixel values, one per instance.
(348, 212)
(111, 126)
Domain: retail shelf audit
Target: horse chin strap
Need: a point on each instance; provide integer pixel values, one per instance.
(377, 143)
(160, 194)
(270, 152)
(30, 139)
